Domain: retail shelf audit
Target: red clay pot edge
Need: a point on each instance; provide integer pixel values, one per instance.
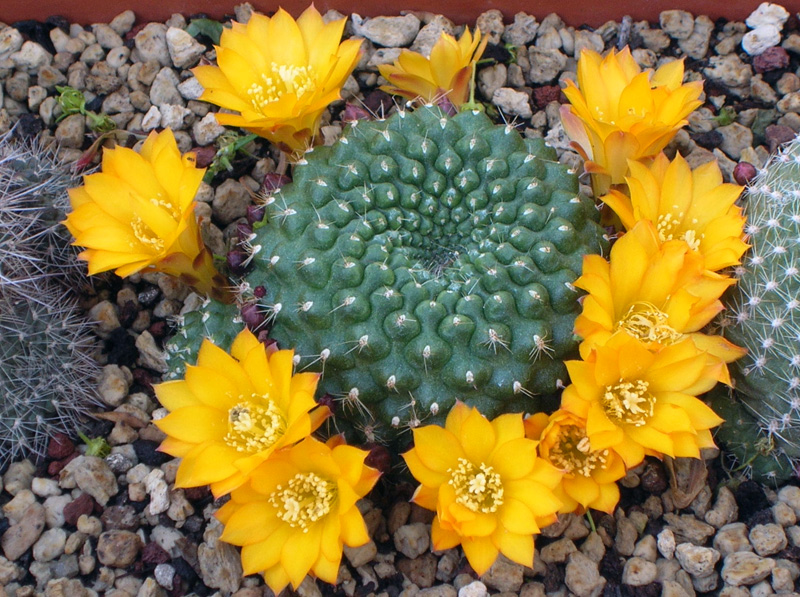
(574, 12)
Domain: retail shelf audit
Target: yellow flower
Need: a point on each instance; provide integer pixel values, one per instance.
(298, 510)
(232, 411)
(619, 112)
(138, 213)
(448, 71)
(590, 476)
(640, 403)
(489, 490)
(691, 205)
(279, 75)
(657, 292)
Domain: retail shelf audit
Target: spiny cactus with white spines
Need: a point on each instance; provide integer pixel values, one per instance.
(420, 260)
(763, 316)
(47, 373)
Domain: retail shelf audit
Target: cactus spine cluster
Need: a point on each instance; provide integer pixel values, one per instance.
(420, 260)
(47, 373)
(763, 315)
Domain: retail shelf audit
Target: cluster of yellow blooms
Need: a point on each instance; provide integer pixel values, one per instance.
(243, 422)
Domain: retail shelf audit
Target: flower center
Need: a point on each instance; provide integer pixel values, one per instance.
(667, 226)
(647, 323)
(478, 488)
(254, 425)
(306, 498)
(146, 236)
(281, 79)
(628, 402)
(573, 452)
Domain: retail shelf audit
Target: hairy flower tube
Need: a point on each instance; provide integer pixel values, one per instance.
(691, 205)
(657, 292)
(490, 492)
(232, 411)
(298, 511)
(590, 476)
(137, 213)
(278, 76)
(446, 73)
(642, 403)
(619, 112)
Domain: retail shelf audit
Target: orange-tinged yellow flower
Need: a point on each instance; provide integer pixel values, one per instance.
(298, 511)
(232, 411)
(658, 292)
(138, 213)
(590, 476)
(448, 71)
(640, 403)
(490, 492)
(279, 75)
(691, 205)
(620, 112)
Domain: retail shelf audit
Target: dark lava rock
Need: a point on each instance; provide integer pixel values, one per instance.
(546, 94)
(146, 452)
(153, 555)
(121, 348)
(123, 518)
(750, 498)
(777, 135)
(654, 478)
(708, 140)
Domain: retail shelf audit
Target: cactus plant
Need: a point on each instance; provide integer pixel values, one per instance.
(47, 373)
(763, 316)
(420, 260)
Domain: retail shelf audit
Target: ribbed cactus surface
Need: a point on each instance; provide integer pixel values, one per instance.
(420, 260)
(46, 374)
(764, 314)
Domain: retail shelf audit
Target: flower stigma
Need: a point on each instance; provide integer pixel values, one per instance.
(254, 425)
(573, 452)
(647, 323)
(628, 402)
(479, 488)
(306, 498)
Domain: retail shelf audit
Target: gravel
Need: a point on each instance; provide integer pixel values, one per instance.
(74, 524)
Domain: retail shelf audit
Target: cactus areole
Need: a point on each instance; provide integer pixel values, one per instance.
(421, 260)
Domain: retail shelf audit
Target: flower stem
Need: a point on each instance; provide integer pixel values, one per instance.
(591, 520)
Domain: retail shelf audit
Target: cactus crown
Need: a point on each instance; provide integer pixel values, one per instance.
(420, 260)
(764, 309)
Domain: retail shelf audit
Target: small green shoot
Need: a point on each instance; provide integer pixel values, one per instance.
(73, 101)
(228, 145)
(95, 447)
(726, 116)
(208, 27)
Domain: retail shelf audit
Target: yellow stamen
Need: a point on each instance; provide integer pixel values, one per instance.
(628, 402)
(254, 425)
(647, 323)
(281, 80)
(306, 498)
(573, 452)
(478, 488)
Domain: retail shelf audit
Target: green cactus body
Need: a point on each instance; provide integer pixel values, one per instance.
(47, 374)
(424, 259)
(763, 313)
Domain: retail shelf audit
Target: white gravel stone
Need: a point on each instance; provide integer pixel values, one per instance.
(412, 540)
(522, 31)
(389, 32)
(190, 89)
(151, 43)
(91, 475)
(164, 575)
(173, 116)
(206, 130)
(639, 572)
(678, 24)
(45, 487)
(50, 545)
(18, 476)
(768, 13)
(697, 561)
(768, 539)
(513, 102)
(11, 40)
(582, 576)
(746, 568)
(106, 36)
(114, 383)
(158, 490)
(123, 22)
(473, 589)
(760, 39)
(151, 120)
(790, 495)
(184, 50)
(31, 57)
